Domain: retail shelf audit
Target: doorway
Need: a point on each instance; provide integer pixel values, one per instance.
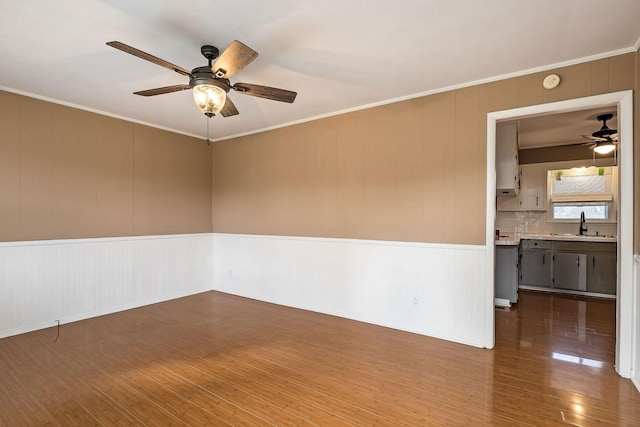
(625, 307)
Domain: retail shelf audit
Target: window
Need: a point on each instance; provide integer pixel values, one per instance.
(589, 190)
(573, 211)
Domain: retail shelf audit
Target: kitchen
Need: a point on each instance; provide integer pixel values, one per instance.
(556, 206)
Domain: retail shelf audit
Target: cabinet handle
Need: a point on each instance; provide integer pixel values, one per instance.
(536, 200)
(593, 262)
(543, 257)
(578, 261)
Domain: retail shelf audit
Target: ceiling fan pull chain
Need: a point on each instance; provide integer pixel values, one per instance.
(208, 140)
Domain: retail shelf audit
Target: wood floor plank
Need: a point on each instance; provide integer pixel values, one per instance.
(170, 398)
(274, 378)
(382, 402)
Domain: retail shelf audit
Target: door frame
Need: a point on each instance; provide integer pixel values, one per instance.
(626, 307)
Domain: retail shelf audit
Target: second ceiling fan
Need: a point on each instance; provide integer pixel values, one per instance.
(210, 83)
(602, 141)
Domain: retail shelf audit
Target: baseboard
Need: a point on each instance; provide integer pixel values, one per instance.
(96, 313)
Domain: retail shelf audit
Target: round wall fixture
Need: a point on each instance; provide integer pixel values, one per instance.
(551, 81)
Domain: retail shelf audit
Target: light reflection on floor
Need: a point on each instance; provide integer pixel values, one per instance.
(577, 360)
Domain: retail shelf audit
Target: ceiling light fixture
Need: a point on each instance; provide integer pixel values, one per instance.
(209, 98)
(210, 94)
(604, 147)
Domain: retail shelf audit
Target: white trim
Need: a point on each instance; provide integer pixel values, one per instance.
(626, 305)
(356, 241)
(98, 240)
(438, 90)
(93, 110)
(489, 297)
(347, 110)
(635, 369)
(567, 292)
(76, 317)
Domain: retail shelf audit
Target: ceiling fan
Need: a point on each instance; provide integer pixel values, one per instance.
(603, 141)
(210, 83)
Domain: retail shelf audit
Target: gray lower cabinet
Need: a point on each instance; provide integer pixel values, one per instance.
(570, 271)
(569, 265)
(535, 263)
(602, 271)
(506, 280)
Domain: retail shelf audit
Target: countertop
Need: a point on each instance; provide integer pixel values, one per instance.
(514, 240)
(508, 241)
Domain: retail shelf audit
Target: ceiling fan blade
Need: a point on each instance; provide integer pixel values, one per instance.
(233, 59)
(614, 136)
(147, 57)
(593, 138)
(573, 144)
(162, 90)
(265, 92)
(229, 109)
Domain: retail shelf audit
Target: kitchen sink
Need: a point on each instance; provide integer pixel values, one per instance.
(583, 235)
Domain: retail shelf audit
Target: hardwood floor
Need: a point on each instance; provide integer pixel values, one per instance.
(216, 359)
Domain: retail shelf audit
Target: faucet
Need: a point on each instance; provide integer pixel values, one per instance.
(583, 225)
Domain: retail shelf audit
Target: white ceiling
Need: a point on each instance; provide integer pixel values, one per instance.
(338, 55)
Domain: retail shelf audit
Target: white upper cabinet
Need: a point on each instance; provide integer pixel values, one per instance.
(533, 192)
(507, 173)
(534, 187)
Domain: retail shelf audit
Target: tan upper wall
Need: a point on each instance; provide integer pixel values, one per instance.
(68, 173)
(408, 171)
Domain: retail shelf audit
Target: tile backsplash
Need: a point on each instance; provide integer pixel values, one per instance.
(535, 222)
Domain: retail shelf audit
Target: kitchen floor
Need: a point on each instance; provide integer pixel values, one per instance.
(563, 347)
(560, 326)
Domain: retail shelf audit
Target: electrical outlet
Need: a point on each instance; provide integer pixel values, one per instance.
(230, 273)
(534, 222)
(415, 301)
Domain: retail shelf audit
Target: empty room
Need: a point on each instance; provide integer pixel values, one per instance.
(300, 213)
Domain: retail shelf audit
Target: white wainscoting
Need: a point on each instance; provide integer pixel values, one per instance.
(432, 289)
(70, 280)
(635, 370)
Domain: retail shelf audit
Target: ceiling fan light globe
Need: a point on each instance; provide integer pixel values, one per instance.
(604, 148)
(209, 98)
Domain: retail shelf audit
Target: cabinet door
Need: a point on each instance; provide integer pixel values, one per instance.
(534, 188)
(507, 157)
(535, 268)
(570, 271)
(602, 273)
(506, 273)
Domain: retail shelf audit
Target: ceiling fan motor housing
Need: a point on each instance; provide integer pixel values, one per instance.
(204, 76)
(604, 131)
